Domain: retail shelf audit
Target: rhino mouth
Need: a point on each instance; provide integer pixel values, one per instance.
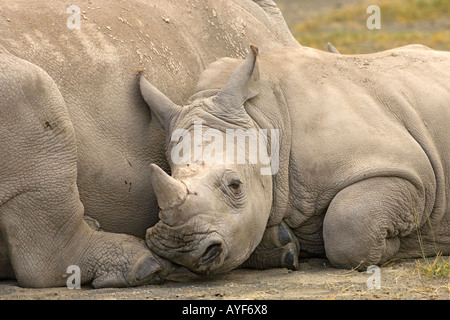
(202, 251)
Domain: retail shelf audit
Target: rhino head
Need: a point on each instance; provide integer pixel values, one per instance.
(213, 212)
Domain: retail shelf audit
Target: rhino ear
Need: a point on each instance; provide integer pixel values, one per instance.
(243, 83)
(162, 109)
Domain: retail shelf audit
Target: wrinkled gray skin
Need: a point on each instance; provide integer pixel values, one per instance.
(75, 134)
(364, 161)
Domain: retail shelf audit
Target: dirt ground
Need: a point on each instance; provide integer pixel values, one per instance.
(316, 280)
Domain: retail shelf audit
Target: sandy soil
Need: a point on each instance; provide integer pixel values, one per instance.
(316, 280)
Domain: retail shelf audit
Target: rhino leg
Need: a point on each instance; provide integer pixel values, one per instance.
(365, 221)
(41, 215)
(279, 248)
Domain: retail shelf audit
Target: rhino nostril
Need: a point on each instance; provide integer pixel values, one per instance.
(211, 253)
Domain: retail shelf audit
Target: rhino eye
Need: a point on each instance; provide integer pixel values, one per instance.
(235, 184)
(232, 188)
(232, 185)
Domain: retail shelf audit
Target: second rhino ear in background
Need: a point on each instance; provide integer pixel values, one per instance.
(243, 83)
(162, 109)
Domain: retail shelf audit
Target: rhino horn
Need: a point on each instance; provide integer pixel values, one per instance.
(242, 84)
(169, 191)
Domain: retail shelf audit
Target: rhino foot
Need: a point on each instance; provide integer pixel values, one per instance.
(279, 248)
(126, 261)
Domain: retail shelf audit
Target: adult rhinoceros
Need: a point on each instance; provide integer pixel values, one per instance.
(361, 168)
(75, 135)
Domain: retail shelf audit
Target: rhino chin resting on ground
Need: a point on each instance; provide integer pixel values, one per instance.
(363, 161)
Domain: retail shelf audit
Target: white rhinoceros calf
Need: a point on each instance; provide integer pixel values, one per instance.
(360, 174)
(75, 134)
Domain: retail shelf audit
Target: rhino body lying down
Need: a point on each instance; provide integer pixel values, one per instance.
(75, 134)
(364, 161)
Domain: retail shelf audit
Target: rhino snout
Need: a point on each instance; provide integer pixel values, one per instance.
(206, 259)
(211, 253)
(202, 251)
(210, 257)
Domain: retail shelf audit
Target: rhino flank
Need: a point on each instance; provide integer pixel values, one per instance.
(363, 169)
(75, 134)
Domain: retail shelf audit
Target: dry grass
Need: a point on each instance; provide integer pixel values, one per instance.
(437, 269)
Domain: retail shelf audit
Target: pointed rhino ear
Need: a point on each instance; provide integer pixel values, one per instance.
(243, 83)
(162, 109)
